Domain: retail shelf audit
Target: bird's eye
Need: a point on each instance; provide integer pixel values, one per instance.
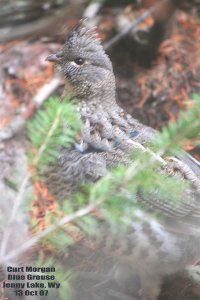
(79, 61)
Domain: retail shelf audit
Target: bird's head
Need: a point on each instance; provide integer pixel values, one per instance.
(83, 62)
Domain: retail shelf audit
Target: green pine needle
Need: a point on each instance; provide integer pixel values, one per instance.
(52, 127)
(175, 135)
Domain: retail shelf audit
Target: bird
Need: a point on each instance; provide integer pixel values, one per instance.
(153, 248)
(108, 131)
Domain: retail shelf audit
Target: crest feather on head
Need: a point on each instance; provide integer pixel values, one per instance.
(83, 34)
(82, 29)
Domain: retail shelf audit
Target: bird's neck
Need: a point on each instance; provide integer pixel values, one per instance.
(101, 98)
(98, 97)
(104, 100)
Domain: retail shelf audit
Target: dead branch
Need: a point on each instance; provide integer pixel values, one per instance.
(19, 122)
(161, 12)
(128, 28)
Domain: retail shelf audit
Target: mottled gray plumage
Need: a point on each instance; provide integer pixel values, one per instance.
(154, 248)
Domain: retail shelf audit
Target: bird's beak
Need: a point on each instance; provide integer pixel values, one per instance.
(52, 58)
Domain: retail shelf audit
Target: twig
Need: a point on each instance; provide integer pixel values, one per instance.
(31, 242)
(17, 204)
(128, 28)
(156, 156)
(18, 123)
(46, 91)
(92, 9)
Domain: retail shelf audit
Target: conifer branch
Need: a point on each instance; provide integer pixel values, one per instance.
(30, 243)
(108, 194)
